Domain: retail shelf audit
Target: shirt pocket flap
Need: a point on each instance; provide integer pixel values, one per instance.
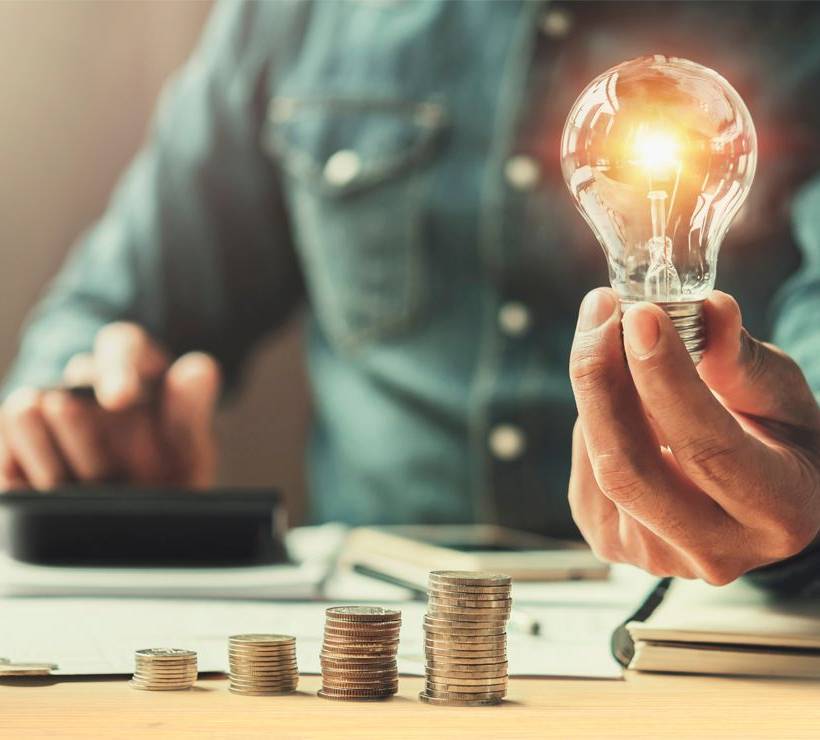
(340, 146)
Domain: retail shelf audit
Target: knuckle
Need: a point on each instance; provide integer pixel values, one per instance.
(617, 478)
(22, 406)
(588, 369)
(606, 551)
(657, 569)
(755, 357)
(791, 538)
(710, 458)
(61, 407)
(718, 572)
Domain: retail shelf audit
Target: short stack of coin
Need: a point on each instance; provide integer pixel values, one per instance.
(164, 669)
(359, 653)
(262, 664)
(465, 631)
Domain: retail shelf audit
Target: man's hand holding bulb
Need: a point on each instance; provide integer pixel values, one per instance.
(700, 472)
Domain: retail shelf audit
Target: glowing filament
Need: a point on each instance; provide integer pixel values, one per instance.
(656, 151)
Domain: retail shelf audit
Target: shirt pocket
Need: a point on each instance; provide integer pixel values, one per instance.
(355, 185)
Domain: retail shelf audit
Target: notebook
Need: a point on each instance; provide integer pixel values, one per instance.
(691, 627)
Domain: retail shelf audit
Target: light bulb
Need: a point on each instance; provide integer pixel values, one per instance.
(659, 154)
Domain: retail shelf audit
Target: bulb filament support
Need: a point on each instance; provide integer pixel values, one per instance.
(687, 318)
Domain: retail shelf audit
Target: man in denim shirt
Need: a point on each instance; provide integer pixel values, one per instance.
(394, 165)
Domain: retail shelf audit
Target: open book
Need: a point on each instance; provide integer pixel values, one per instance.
(690, 627)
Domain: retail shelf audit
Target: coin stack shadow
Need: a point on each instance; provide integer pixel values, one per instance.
(465, 640)
(359, 653)
(164, 669)
(262, 664)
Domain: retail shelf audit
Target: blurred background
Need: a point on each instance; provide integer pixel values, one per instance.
(78, 83)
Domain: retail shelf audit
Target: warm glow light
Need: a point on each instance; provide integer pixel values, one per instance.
(659, 154)
(657, 151)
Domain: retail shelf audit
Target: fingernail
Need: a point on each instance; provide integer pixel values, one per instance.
(596, 308)
(641, 330)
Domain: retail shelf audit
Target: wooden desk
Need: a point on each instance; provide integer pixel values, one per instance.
(643, 706)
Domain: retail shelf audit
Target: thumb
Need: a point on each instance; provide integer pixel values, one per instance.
(190, 393)
(752, 377)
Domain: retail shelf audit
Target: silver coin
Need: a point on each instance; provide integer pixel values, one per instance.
(470, 603)
(465, 664)
(493, 633)
(26, 669)
(161, 686)
(163, 663)
(162, 653)
(470, 592)
(363, 613)
(428, 699)
(467, 696)
(450, 623)
(452, 668)
(357, 665)
(469, 578)
(269, 686)
(467, 640)
(363, 628)
(457, 653)
(449, 688)
(444, 676)
(493, 680)
(265, 639)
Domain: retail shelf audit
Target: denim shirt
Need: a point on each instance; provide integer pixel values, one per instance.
(393, 166)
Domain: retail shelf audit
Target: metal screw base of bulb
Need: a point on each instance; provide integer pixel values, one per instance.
(687, 318)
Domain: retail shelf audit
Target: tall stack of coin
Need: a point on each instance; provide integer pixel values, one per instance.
(262, 664)
(164, 669)
(466, 638)
(359, 653)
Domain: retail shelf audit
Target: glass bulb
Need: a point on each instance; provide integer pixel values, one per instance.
(659, 154)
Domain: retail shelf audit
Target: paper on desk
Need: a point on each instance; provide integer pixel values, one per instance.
(99, 636)
(254, 582)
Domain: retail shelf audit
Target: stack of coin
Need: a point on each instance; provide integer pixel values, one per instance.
(359, 653)
(262, 664)
(465, 641)
(8, 669)
(164, 669)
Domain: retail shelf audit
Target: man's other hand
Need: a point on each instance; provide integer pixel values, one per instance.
(703, 472)
(151, 422)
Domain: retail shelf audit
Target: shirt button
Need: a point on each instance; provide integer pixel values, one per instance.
(507, 442)
(514, 318)
(522, 172)
(342, 167)
(556, 23)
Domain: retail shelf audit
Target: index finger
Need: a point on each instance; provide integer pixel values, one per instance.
(127, 361)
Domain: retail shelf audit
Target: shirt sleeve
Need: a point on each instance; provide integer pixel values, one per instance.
(194, 244)
(797, 307)
(797, 331)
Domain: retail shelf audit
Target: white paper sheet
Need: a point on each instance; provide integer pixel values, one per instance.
(99, 636)
(254, 582)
